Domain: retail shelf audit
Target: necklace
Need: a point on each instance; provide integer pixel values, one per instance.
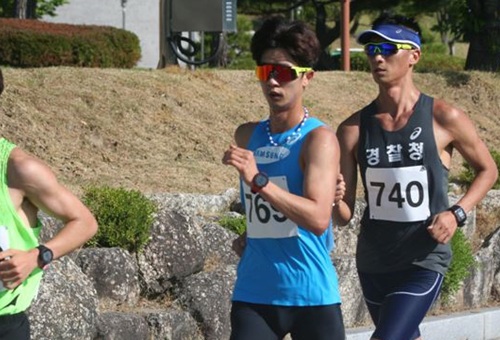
(293, 135)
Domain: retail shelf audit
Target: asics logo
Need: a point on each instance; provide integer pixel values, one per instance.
(414, 135)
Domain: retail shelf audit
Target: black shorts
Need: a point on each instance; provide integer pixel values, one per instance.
(251, 321)
(14, 327)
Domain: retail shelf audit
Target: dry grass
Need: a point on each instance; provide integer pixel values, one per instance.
(166, 130)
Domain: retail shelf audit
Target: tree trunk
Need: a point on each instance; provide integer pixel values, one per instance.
(25, 9)
(219, 49)
(484, 48)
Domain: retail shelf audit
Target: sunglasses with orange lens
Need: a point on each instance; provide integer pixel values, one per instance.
(280, 73)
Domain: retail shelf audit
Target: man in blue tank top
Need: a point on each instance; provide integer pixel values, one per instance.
(26, 186)
(403, 143)
(288, 166)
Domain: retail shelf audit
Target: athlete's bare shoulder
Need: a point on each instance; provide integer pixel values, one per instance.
(348, 131)
(445, 113)
(352, 120)
(322, 135)
(24, 168)
(243, 133)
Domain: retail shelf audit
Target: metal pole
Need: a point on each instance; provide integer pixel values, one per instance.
(167, 57)
(124, 10)
(345, 36)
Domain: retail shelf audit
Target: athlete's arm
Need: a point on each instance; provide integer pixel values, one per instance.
(242, 136)
(319, 159)
(454, 128)
(467, 142)
(39, 186)
(348, 135)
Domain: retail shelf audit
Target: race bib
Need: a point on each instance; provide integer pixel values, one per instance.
(398, 194)
(4, 243)
(263, 220)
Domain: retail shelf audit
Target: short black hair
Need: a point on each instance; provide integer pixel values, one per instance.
(295, 37)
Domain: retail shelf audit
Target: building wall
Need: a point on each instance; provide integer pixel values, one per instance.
(140, 17)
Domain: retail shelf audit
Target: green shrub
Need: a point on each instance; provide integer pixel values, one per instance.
(124, 217)
(434, 48)
(431, 62)
(237, 225)
(434, 62)
(461, 264)
(239, 55)
(467, 175)
(33, 43)
(359, 62)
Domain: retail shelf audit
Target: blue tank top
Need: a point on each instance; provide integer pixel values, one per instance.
(405, 185)
(283, 263)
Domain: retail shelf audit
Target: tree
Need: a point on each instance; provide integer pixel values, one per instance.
(324, 15)
(29, 9)
(450, 16)
(476, 21)
(483, 33)
(24, 9)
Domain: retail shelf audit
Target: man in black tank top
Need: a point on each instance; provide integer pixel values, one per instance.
(403, 143)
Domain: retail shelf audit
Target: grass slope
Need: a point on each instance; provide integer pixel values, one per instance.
(166, 130)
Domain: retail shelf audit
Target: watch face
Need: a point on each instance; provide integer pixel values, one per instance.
(460, 214)
(260, 180)
(47, 256)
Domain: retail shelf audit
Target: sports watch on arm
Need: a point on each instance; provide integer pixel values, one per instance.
(459, 213)
(45, 256)
(259, 181)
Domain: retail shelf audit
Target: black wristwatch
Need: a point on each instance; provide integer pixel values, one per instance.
(45, 256)
(258, 182)
(460, 214)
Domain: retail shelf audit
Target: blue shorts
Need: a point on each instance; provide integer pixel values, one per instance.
(398, 301)
(251, 321)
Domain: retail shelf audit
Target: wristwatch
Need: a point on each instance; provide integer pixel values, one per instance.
(459, 214)
(45, 256)
(259, 181)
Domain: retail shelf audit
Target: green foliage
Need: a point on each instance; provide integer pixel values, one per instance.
(48, 7)
(239, 55)
(359, 62)
(434, 62)
(32, 43)
(434, 48)
(237, 225)
(43, 7)
(461, 264)
(124, 217)
(467, 175)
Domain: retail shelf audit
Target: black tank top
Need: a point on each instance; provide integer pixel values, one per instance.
(405, 184)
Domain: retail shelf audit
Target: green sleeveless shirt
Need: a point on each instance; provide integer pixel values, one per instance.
(15, 234)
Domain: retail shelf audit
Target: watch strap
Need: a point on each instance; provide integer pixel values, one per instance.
(459, 213)
(45, 256)
(255, 186)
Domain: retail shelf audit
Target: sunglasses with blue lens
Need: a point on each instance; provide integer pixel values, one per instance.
(385, 48)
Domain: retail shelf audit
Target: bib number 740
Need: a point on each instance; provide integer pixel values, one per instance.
(398, 194)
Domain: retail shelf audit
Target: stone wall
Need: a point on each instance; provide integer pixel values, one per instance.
(180, 286)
